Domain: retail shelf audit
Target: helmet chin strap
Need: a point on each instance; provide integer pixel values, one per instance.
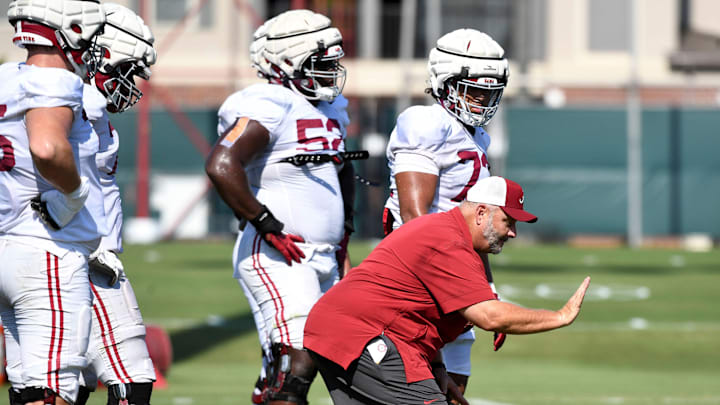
(320, 94)
(326, 94)
(73, 57)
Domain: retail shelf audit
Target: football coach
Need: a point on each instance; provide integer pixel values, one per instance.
(376, 335)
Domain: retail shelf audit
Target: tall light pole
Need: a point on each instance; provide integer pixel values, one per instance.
(634, 139)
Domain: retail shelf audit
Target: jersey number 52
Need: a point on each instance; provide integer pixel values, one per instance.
(331, 142)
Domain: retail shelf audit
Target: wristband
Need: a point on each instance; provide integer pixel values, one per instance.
(265, 222)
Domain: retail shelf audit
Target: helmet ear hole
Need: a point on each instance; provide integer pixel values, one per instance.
(76, 28)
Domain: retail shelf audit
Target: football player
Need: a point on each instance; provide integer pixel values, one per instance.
(118, 354)
(436, 153)
(336, 109)
(279, 165)
(50, 198)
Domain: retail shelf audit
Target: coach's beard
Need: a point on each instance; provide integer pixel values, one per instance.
(495, 242)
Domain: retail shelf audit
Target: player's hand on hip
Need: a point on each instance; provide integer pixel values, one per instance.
(271, 230)
(106, 262)
(56, 209)
(285, 244)
(571, 309)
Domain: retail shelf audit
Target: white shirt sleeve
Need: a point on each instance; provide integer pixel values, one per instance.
(415, 162)
(420, 131)
(267, 107)
(49, 87)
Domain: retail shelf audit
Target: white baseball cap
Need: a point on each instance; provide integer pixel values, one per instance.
(504, 193)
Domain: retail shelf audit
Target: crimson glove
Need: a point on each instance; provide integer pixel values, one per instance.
(285, 244)
(271, 230)
(498, 340)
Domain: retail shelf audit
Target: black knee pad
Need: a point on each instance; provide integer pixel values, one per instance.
(282, 385)
(134, 393)
(15, 398)
(83, 395)
(32, 394)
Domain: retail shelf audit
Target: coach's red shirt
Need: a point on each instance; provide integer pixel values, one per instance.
(409, 288)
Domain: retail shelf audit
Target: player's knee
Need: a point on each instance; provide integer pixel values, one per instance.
(133, 393)
(34, 394)
(302, 364)
(291, 374)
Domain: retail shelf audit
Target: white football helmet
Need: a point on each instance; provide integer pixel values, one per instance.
(305, 51)
(468, 73)
(124, 50)
(68, 25)
(257, 58)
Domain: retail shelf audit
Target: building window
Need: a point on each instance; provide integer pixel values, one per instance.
(170, 12)
(493, 17)
(609, 25)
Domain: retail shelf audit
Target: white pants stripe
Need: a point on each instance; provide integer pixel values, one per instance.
(106, 330)
(272, 290)
(57, 321)
(45, 304)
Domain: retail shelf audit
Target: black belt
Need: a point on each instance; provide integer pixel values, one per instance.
(338, 158)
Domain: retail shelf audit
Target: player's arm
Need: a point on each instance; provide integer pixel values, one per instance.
(225, 167)
(416, 192)
(48, 129)
(505, 317)
(446, 384)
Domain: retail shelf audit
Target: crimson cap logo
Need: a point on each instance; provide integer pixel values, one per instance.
(522, 199)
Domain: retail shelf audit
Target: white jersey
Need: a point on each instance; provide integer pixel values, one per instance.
(95, 106)
(307, 199)
(26, 87)
(428, 139)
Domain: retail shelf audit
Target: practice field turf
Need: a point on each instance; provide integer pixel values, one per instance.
(649, 331)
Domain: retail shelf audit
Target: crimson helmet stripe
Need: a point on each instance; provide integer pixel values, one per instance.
(26, 27)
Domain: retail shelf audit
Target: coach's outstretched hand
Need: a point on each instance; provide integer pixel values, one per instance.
(571, 309)
(285, 244)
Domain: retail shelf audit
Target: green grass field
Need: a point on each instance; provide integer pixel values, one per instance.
(649, 332)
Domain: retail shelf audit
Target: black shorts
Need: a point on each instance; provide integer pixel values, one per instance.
(366, 382)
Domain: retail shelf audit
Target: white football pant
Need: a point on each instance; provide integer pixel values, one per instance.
(45, 303)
